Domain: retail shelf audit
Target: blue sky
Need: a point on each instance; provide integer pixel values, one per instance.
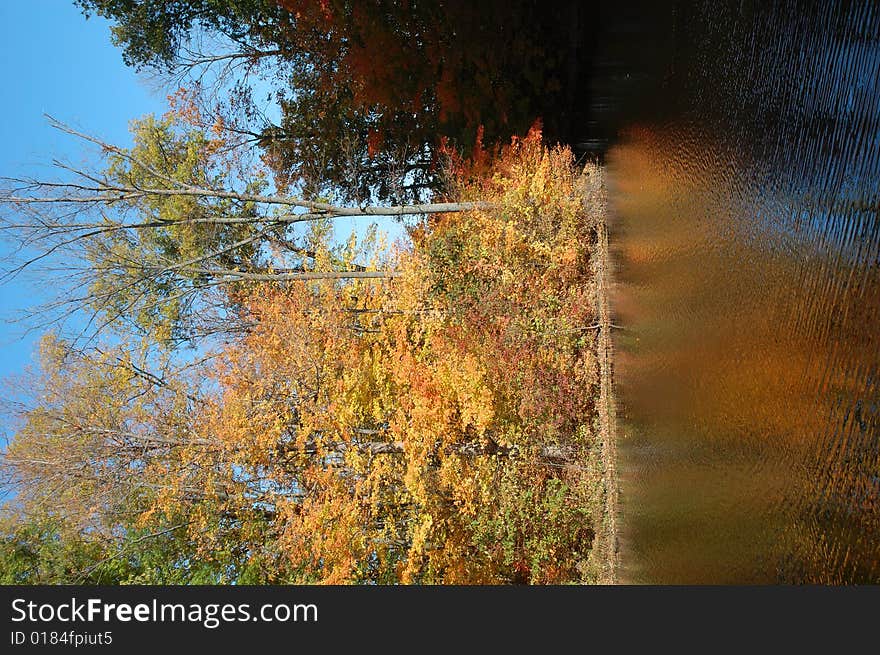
(54, 61)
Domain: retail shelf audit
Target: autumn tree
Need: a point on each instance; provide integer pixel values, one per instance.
(368, 90)
(119, 463)
(430, 427)
(169, 227)
(350, 412)
(510, 373)
(441, 420)
(93, 450)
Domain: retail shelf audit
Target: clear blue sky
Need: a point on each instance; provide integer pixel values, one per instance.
(54, 61)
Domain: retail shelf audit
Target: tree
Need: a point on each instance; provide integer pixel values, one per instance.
(114, 479)
(157, 32)
(369, 91)
(432, 426)
(43, 550)
(440, 422)
(33, 551)
(174, 220)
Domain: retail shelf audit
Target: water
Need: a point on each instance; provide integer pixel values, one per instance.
(744, 150)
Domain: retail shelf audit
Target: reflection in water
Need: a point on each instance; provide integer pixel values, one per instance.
(749, 249)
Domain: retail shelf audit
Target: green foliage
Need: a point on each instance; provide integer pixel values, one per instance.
(35, 553)
(47, 551)
(150, 275)
(151, 32)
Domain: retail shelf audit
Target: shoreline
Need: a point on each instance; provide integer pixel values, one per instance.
(606, 407)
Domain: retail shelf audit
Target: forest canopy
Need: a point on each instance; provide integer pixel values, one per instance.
(257, 401)
(369, 92)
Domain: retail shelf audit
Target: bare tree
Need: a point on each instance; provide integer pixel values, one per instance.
(169, 222)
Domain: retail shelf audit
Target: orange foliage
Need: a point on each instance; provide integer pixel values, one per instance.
(434, 427)
(408, 421)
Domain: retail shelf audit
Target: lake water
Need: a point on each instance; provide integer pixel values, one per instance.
(743, 145)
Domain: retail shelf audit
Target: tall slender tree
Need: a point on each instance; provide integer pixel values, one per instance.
(169, 223)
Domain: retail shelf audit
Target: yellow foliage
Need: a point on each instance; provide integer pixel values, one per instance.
(398, 430)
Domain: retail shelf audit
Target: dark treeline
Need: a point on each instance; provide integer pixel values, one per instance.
(372, 92)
